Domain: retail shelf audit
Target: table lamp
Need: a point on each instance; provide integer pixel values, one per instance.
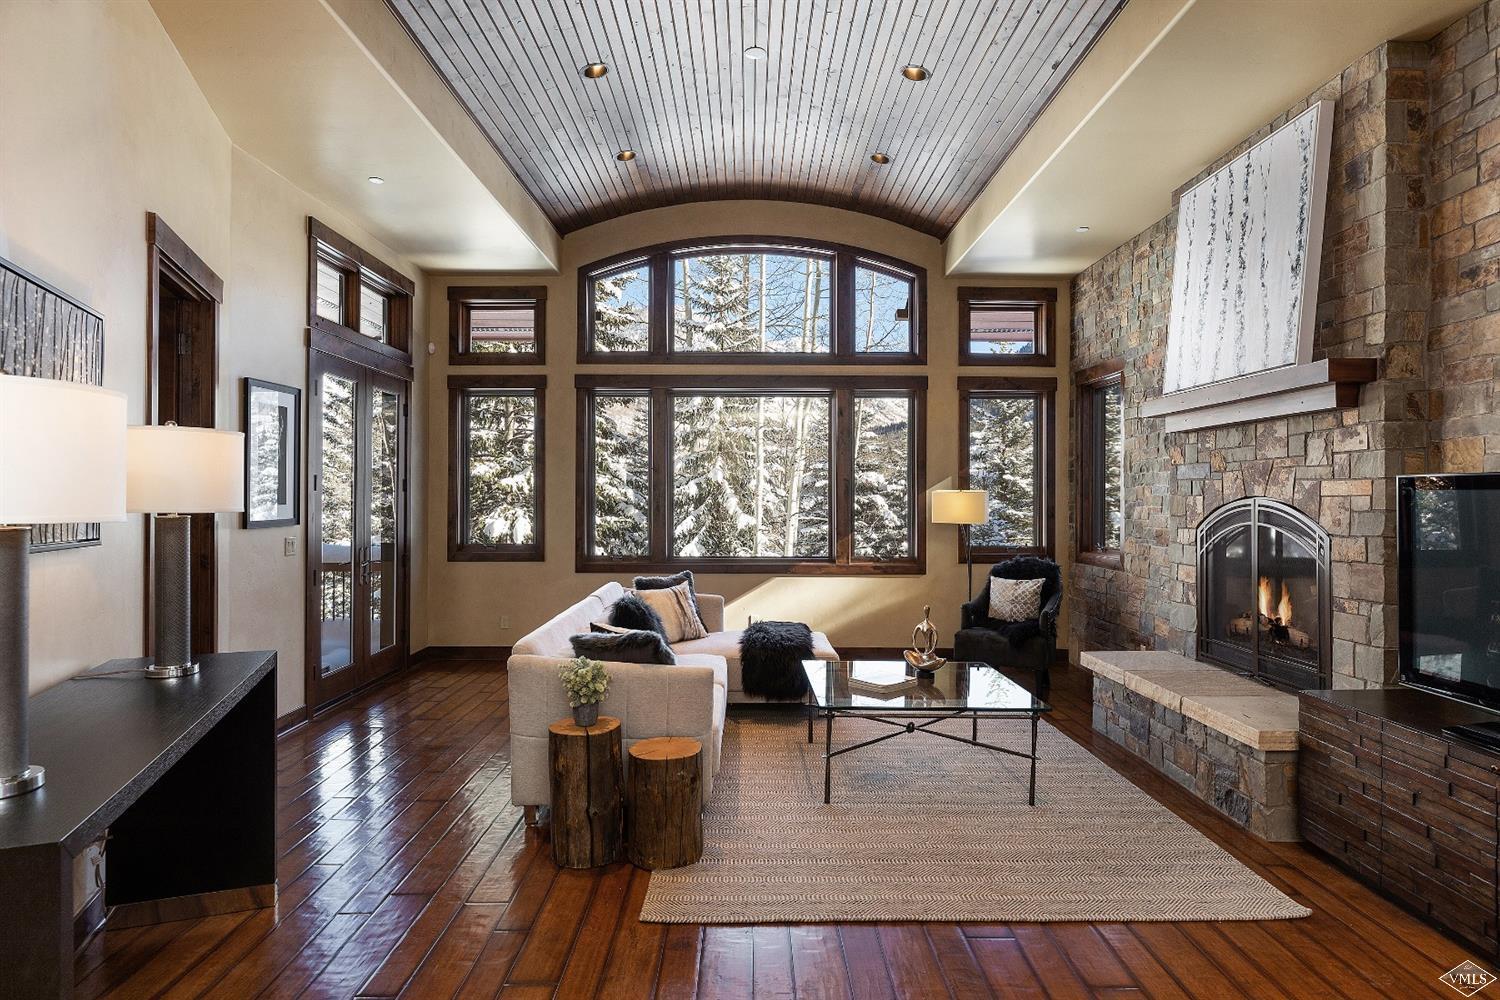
(174, 472)
(62, 459)
(965, 507)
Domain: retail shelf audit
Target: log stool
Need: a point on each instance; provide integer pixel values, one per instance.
(666, 800)
(587, 785)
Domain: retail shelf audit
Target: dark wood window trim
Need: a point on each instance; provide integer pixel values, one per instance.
(1043, 300)
(459, 387)
(657, 259)
(843, 390)
(1044, 390)
(463, 299)
(359, 268)
(1090, 382)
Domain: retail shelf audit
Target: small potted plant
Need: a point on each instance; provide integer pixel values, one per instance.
(586, 682)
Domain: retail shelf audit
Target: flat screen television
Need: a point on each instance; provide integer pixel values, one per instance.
(1448, 554)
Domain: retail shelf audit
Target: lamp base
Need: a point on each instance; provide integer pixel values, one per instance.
(28, 780)
(166, 671)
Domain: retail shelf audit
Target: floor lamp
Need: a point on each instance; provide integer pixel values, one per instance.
(175, 472)
(62, 461)
(962, 507)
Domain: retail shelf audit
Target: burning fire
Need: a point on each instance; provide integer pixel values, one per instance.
(1283, 609)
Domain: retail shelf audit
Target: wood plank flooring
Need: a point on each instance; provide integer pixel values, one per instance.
(406, 872)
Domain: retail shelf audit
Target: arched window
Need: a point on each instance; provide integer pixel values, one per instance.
(743, 298)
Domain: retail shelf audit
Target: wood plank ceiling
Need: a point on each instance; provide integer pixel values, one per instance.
(800, 124)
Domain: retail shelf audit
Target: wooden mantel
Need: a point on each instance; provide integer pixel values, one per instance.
(1319, 385)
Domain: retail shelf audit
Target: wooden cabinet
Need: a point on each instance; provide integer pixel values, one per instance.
(1407, 809)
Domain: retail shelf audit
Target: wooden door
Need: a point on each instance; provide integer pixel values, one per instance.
(357, 518)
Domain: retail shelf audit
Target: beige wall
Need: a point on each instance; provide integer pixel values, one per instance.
(467, 600)
(101, 122)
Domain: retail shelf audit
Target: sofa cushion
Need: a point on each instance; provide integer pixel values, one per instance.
(727, 645)
(554, 637)
(714, 663)
(637, 646)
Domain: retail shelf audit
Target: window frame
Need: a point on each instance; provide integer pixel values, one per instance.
(1090, 385)
(658, 260)
(1044, 390)
(463, 299)
(459, 388)
(359, 269)
(841, 389)
(1043, 299)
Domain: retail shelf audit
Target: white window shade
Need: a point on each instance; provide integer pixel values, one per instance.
(185, 470)
(62, 452)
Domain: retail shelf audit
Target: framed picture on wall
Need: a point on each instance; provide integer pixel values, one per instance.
(273, 460)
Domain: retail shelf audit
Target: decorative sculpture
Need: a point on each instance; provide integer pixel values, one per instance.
(924, 640)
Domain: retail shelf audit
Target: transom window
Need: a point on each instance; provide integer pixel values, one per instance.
(741, 473)
(798, 301)
(496, 324)
(1005, 449)
(1006, 326)
(357, 298)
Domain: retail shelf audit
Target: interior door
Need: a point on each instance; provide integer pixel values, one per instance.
(357, 601)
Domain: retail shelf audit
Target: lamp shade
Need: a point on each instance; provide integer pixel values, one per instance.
(960, 506)
(62, 452)
(185, 470)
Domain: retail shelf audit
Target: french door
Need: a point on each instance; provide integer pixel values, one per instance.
(357, 521)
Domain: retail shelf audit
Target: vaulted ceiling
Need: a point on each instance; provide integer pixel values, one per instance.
(801, 123)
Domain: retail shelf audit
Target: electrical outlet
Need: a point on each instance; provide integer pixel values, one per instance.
(289, 545)
(505, 621)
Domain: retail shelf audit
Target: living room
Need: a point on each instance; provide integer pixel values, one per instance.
(759, 499)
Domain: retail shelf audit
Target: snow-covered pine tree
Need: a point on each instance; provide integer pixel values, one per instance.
(882, 483)
(501, 506)
(1114, 467)
(336, 490)
(620, 308)
(1002, 461)
(622, 471)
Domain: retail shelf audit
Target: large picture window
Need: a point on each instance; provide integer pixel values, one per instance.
(1101, 465)
(752, 298)
(495, 467)
(1005, 449)
(747, 473)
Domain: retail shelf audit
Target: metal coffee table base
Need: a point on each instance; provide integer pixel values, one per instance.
(906, 725)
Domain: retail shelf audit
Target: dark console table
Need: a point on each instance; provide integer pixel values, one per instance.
(182, 773)
(1408, 810)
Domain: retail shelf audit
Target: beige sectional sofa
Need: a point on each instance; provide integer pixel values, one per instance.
(685, 699)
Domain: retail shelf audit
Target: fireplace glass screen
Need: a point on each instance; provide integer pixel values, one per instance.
(1263, 591)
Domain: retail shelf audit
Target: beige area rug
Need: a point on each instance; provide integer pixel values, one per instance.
(922, 828)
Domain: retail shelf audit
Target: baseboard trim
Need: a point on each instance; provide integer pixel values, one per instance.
(291, 720)
(427, 654)
(204, 904)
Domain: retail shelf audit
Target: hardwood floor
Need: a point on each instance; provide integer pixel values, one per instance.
(405, 871)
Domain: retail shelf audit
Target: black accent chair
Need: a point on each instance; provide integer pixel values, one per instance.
(1028, 645)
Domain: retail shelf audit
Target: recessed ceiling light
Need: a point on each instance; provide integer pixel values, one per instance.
(880, 158)
(1081, 229)
(375, 179)
(915, 73)
(755, 53)
(594, 70)
(625, 155)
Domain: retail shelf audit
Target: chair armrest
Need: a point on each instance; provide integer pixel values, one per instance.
(1049, 614)
(711, 608)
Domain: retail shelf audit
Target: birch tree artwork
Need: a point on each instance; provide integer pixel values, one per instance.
(1245, 276)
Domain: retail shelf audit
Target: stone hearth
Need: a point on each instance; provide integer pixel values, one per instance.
(1228, 740)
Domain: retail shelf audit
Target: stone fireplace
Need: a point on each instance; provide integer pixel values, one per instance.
(1263, 593)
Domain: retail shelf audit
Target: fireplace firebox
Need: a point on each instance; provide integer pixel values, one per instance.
(1263, 593)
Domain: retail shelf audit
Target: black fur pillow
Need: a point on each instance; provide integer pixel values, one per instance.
(637, 646)
(633, 613)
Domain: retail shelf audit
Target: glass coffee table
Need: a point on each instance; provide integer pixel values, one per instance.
(894, 693)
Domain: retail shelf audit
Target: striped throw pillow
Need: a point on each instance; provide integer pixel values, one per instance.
(678, 611)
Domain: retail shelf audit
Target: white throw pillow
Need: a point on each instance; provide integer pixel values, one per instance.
(678, 611)
(1015, 600)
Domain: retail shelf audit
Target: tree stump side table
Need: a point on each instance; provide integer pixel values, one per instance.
(587, 792)
(664, 814)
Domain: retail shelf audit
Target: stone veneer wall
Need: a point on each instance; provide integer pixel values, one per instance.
(1255, 788)
(1337, 466)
